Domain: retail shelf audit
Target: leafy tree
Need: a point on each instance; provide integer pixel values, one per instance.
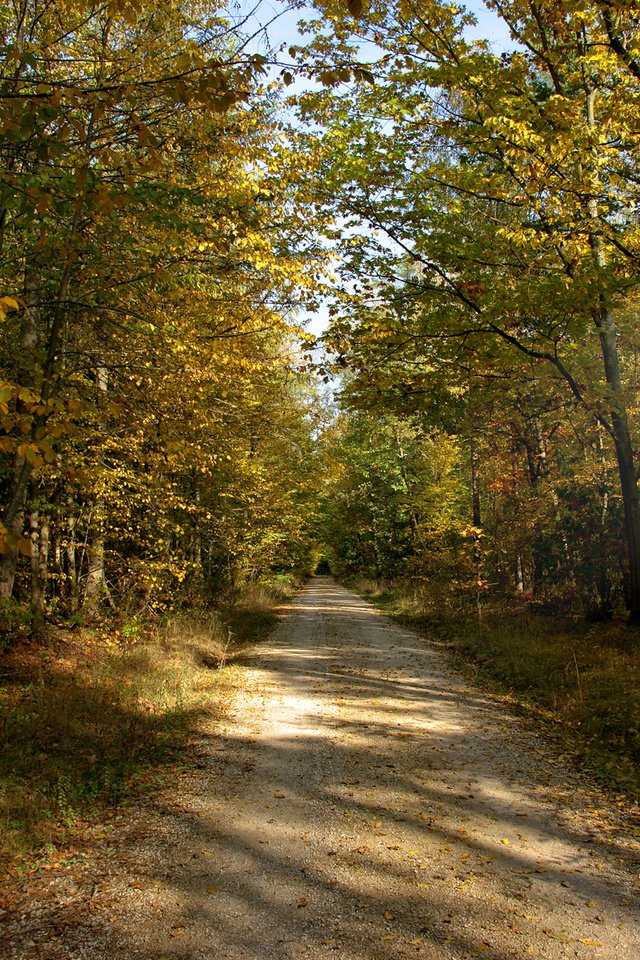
(497, 198)
(152, 259)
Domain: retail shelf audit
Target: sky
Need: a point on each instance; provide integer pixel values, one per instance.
(283, 28)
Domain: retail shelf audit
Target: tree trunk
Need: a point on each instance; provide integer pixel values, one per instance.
(96, 584)
(9, 559)
(72, 563)
(96, 581)
(376, 547)
(476, 507)
(39, 530)
(621, 433)
(26, 374)
(605, 322)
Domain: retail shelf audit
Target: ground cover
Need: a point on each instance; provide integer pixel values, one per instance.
(95, 715)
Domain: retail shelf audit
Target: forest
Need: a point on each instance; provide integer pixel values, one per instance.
(178, 196)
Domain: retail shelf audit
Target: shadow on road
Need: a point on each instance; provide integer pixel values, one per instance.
(373, 805)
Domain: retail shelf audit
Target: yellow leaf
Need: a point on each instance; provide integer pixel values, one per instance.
(388, 915)
(8, 303)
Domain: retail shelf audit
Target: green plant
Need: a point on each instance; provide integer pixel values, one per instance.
(16, 622)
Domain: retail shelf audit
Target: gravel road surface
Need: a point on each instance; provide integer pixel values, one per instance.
(362, 801)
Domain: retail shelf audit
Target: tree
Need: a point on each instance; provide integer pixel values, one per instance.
(506, 184)
(151, 268)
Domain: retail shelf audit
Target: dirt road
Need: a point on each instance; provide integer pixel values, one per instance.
(364, 802)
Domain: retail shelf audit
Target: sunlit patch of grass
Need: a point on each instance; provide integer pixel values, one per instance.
(581, 678)
(93, 718)
(89, 719)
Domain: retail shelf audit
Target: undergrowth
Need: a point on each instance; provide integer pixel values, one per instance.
(90, 718)
(581, 680)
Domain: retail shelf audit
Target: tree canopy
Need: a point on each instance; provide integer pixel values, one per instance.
(170, 204)
(490, 234)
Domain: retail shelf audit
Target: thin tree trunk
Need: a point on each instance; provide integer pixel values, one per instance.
(519, 573)
(9, 559)
(476, 506)
(39, 529)
(72, 563)
(96, 583)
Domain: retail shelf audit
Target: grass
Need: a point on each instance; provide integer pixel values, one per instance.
(93, 717)
(581, 680)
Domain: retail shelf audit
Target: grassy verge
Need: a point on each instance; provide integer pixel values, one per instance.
(581, 680)
(92, 717)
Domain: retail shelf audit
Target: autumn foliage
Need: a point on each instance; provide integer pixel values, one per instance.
(489, 242)
(155, 433)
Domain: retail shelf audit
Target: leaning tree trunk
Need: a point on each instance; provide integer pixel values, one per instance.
(625, 459)
(619, 427)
